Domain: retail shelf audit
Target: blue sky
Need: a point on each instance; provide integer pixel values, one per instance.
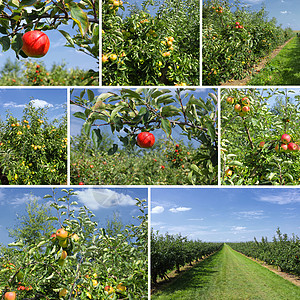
(76, 123)
(225, 214)
(57, 53)
(103, 202)
(14, 100)
(286, 12)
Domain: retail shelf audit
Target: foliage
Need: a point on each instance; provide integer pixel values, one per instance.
(142, 49)
(30, 73)
(283, 251)
(33, 225)
(172, 251)
(33, 150)
(93, 261)
(16, 18)
(235, 38)
(132, 111)
(241, 135)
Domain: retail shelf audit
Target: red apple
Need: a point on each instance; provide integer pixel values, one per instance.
(53, 237)
(230, 100)
(237, 23)
(292, 147)
(262, 143)
(246, 109)
(284, 147)
(277, 148)
(61, 234)
(35, 43)
(245, 101)
(237, 107)
(10, 296)
(108, 289)
(145, 139)
(285, 138)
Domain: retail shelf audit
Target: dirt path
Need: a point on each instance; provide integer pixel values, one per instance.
(257, 68)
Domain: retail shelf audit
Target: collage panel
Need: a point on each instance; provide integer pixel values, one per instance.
(260, 136)
(151, 43)
(74, 243)
(225, 243)
(144, 136)
(33, 136)
(250, 43)
(49, 43)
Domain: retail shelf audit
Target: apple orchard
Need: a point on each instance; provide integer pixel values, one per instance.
(79, 260)
(260, 137)
(145, 136)
(24, 25)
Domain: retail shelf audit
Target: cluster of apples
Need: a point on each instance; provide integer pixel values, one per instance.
(286, 144)
(241, 106)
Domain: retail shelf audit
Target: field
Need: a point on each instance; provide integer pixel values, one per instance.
(228, 274)
(235, 39)
(181, 122)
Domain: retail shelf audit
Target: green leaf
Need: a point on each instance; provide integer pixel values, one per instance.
(68, 37)
(113, 150)
(211, 130)
(80, 115)
(169, 111)
(91, 95)
(17, 42)
(96, 137)
(87, 128)
(131, 93)
(5, 42)
(166, 126)
(235, 163)
(79, 17)
(27, 2)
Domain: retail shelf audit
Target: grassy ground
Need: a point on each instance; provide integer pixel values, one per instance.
(229, 275)
(284, 69)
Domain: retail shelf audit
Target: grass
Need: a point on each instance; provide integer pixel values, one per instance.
(284, 69)
(229, 275)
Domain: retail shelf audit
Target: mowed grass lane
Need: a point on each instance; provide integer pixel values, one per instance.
(229, 275)
(284, 69)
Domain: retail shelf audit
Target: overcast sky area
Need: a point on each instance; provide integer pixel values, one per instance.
(15, 100)
(225, 214)
(104, 203)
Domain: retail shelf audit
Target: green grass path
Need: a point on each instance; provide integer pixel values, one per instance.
(284, 69)
(229, 275)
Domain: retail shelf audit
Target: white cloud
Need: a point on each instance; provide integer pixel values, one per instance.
(200, 219)
(13, 104)
(286, 197)
(179, 209)
(238, 228)
(284, 12)
(157, 210)
(24, 199)
(252, 214)
(105, 198)
(37, 103)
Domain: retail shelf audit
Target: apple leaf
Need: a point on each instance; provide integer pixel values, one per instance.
(113, 150)
(5, 42)
(79, 17)
(27, 2)
(68, 37)
(166, 126)
(80, 115)
(96, 137)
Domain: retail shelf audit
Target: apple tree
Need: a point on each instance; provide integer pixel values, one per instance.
(127, 113)
(158, 48)
(81, 260)
(21, 17)
(260, 142)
